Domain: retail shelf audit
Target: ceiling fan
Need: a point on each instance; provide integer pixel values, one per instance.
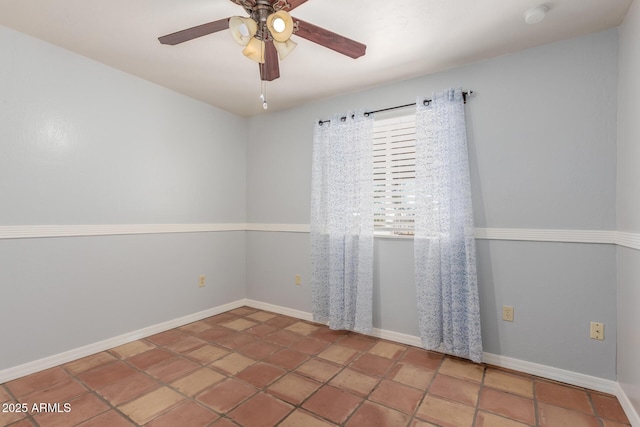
(266, 34)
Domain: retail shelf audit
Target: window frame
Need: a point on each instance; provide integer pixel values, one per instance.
(393, 146)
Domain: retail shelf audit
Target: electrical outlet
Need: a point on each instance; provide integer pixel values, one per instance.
(597, 331)
(298, 280)
(507, 313)
(202, 281)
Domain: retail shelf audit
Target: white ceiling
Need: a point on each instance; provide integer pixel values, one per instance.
(404, 38)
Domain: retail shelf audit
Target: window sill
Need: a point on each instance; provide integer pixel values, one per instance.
(393, 236)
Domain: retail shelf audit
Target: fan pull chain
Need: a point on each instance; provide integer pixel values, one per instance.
(263, 91)
(263, 94)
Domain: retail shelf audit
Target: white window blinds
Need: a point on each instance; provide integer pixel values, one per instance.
(394, 165)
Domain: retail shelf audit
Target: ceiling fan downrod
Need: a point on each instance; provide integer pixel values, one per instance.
(260, 13)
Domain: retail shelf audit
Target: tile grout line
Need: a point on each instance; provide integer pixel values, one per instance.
(378, 383)
(412, 415)
(322, 384)
(534, 394)
(159, 382)
(534, 401)
(110, 405)
(326, 382)
(480, 391)
(15, 399)
(169, 385)
(89, 390)
(427, 388)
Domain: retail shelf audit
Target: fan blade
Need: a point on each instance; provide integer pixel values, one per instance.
(295, 3)
(270, 70)
(195, 32)
(329, 39)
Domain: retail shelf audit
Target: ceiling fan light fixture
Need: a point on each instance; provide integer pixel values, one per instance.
(255, 50)
(242, 29)
(280, 25)
(285, 48)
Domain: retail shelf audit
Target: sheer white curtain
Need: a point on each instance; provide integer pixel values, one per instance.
(342, 222)
(445, 260)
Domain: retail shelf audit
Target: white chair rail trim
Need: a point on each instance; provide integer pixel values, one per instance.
(43, 231)
(620, 238)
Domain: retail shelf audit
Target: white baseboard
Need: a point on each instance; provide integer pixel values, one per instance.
(87, 350)
(286, 311)
(569, 377)
(632, 413)
(551, 373)
(396, 337)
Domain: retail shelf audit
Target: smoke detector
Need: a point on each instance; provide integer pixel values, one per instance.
(536, 14)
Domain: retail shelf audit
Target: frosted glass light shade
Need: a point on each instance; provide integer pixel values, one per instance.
(255, 50)
(285, 48)
(242, 29)
(280, 25)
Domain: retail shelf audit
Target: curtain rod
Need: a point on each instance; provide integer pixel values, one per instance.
(465, 94)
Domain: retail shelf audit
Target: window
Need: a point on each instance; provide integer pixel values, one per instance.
(394, 174)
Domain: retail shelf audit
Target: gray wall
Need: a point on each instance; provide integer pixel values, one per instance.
(542, 140)
(81, 143)
(629, 206)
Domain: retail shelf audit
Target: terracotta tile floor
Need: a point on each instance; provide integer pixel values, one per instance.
(253, 368)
